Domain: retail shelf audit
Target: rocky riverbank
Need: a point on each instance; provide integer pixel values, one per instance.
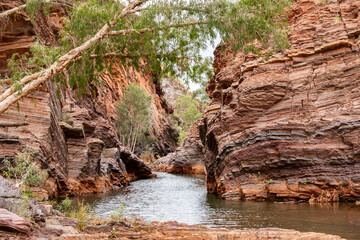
(53, 225)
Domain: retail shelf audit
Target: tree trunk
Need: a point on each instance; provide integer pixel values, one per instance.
(63, 62)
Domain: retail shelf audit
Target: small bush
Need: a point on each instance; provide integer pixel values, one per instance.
(66, 207)
(80, 211)
(148, 155)
(25, 171)
(82, 214)
(118, 213)
(187, 111)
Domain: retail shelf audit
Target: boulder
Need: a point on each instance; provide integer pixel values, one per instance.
(11, 222)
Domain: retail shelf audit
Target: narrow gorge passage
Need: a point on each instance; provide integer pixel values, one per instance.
(183, 198)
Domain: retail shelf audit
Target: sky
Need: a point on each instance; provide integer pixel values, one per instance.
(209, 52)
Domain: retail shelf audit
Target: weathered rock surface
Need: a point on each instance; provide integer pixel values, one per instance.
(186, 159)
(75, 137)
(11, 221)
(10, 197)
(58, 227)
(172, 89)
(288, 128)
(173, 230)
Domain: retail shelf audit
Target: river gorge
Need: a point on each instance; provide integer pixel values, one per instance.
(276, 147)
(183, 198)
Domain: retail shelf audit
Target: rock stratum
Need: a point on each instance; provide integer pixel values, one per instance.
(187, 159)
(288, 128)
(75, 138)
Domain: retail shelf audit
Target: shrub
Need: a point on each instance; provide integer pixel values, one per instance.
(80, 211)
(82, 214)
(66, 207)
(118, 213)
(24, 170)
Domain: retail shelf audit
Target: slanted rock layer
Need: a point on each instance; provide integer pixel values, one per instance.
(288, 128)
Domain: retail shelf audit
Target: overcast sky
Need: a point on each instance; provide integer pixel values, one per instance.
(209, 52)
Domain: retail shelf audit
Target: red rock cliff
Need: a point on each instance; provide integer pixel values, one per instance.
(75, 138)
(288, 128)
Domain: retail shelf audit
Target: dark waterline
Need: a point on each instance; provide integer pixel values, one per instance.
(184, 199)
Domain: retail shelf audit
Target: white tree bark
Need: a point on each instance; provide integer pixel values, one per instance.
(11, 11)
(10, 96)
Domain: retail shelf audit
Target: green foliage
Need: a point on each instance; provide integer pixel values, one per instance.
(148, 155)
(304, 182)
(174, 51)
(134, 116)
(118, 213)
(64, 117)
(82, 214)
(80, 211)
(187, 110)
(24, 170)
(34, 6)
(65, 207)
(269, 182)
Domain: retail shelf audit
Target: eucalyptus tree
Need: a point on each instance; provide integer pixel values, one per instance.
(134, 115)
(167, 34)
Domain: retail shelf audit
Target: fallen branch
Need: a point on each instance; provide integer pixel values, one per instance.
(63, 62)
(34, 76)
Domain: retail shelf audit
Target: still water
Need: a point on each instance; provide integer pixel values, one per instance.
(184, 199)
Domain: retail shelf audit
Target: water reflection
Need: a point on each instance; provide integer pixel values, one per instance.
(184, 199)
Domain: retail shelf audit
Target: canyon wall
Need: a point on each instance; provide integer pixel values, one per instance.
(288, 128)
(75, 138)
(187, 158)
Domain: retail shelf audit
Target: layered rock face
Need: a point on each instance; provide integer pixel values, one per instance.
(75, 138)
(186, 159)
(288, 128)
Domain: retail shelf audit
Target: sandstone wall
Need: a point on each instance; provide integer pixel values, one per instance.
(288, 128)
(187, 159)
(75, 138)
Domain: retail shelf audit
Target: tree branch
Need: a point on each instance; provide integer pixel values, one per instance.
(11, 11)
(63, 62)
(21, 7)
(150, 30)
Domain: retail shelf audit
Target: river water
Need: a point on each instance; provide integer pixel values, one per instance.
(184, 199)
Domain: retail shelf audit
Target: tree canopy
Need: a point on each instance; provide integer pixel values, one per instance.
(168, 34)
(187, 111)
(134, 116)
